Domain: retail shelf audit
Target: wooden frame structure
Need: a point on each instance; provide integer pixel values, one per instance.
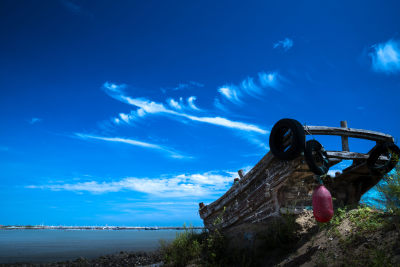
(274, 187)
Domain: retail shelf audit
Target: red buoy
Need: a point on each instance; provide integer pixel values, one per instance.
(322, 204)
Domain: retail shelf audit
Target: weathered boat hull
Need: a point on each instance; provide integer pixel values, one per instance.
(283, 181)
(274, 187)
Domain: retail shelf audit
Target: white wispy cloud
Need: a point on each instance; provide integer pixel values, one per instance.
(208, 184)
(170, 152)
(174, 104)
(150, 107)
(386, 57)
(146, 106)
(250, 87)
(285, 44)
(227, 123)
(269, 79)
(114, 90)
(127, 118)
(191, 104)
(181, 106)
(35, 120)
(124, 117)
(230, 92)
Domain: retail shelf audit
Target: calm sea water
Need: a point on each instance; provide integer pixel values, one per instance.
(60, 245)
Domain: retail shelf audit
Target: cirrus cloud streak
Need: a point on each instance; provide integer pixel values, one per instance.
(170, 152)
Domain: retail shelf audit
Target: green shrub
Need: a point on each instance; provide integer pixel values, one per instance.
(214, 248)
(191, 246)
(185, 248)
(366, 219)
(339, 215)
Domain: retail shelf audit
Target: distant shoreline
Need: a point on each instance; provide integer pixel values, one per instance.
(40, 227)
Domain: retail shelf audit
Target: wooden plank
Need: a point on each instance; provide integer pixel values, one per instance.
(346, 155)
(349, 132)
(350, 155)
(345, 139)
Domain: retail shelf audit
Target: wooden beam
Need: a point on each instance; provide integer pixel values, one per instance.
(349, 155)
(345, 139)
(349, 132)
(346, 155)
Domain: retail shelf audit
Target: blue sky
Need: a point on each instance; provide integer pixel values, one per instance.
(131, 113)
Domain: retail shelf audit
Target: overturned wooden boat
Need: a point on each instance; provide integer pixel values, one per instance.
(282, 182)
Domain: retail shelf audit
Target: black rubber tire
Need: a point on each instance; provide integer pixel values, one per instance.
(380, 150)
(297, 141)
(314, 150)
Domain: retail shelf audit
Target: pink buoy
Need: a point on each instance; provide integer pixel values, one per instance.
(322, 204)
